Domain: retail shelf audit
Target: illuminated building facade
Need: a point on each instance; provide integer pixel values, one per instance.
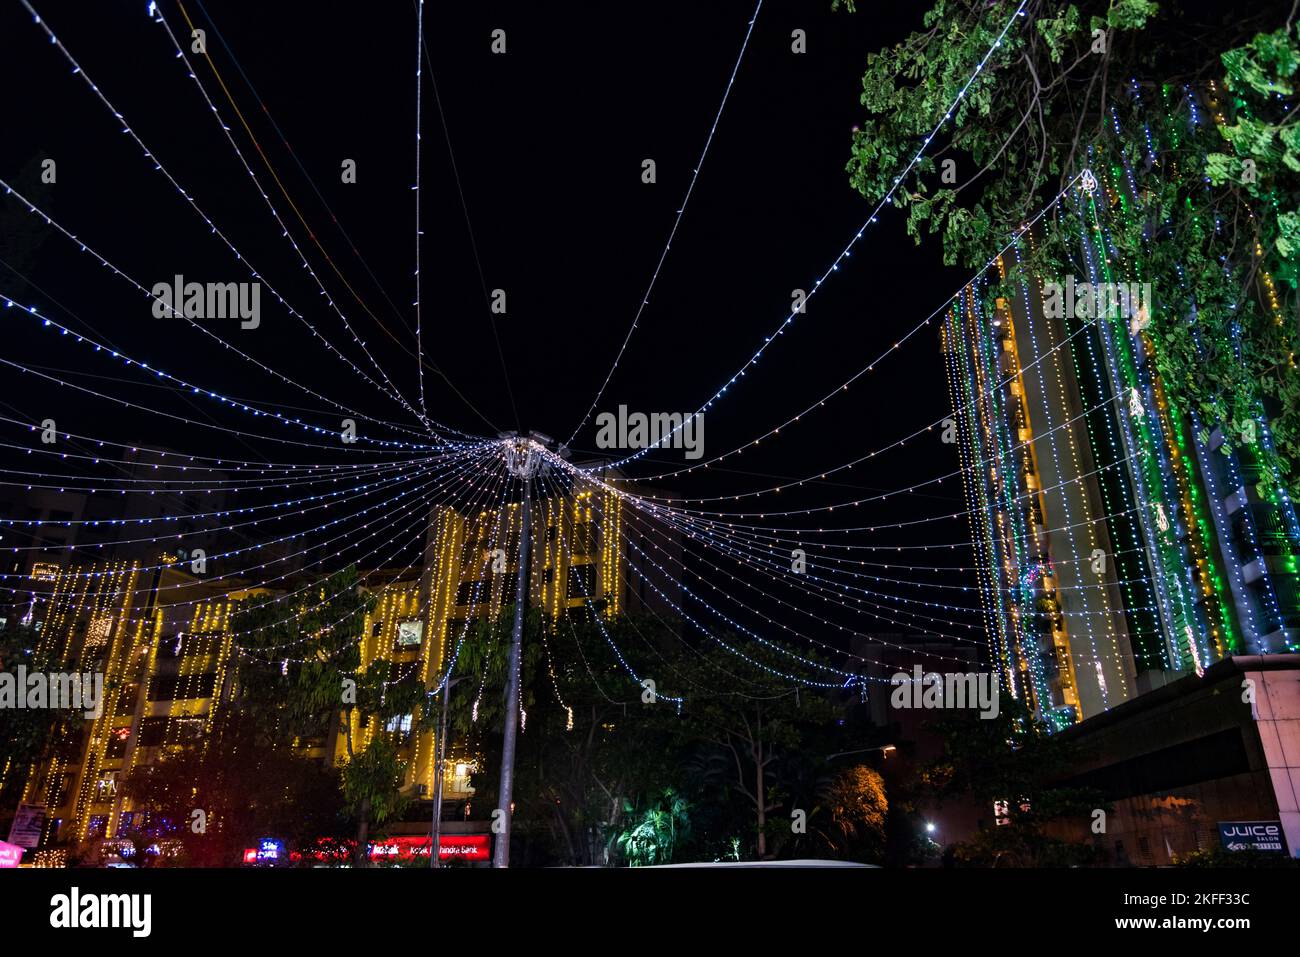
(1137, 564)
(161, 637)
(471, 561)
(1122, 540)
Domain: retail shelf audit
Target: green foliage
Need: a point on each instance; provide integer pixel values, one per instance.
(761, 740)
(1018, 847)
(1047, 104)
(576, 785)
(1013, 758)
(247, 788)
(372, 780)
(858, 810)
(655, 830)
(574, 772)
(310, 697)
(1218, 858)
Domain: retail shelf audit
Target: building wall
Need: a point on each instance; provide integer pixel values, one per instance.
(1224, 746)
(161, 636)
(1123, 543)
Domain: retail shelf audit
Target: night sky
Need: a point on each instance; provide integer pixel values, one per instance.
(544, 200)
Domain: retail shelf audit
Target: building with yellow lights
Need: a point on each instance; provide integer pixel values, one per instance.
(161, 637)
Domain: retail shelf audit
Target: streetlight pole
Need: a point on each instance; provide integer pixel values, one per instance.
(440, 759)
(523, 457)
(887, 749)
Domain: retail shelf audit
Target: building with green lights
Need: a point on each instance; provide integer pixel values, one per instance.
(1126, 545)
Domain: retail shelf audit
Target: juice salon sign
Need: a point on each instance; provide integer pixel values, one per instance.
(1251, 835)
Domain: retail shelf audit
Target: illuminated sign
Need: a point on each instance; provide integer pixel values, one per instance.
(465, 847)
(410, 632)
(44, 571)
(460, 847)
(10, 854)
(29, 822)
(1251, 835)
(269, 851)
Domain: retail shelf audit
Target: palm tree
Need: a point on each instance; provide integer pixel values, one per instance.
(653, 838)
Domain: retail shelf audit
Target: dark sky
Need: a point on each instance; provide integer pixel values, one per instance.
(548, 142)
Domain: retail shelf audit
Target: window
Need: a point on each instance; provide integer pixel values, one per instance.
(410, 633)
(98, 630)
(187, 730)
(106, 787)
(98, 823)
(401, 724)
(176, 687)
(64, 790)
(585, 538)
(152, 732)
(582, 581)
(469, 593)
(126, 699)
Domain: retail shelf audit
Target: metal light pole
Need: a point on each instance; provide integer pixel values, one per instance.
(523, 457)
(440, 758)
(887, 749)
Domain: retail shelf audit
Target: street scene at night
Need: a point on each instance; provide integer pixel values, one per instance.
(840, 452)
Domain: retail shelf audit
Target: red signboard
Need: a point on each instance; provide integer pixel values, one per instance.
(451, 847)
(460, 847)
(464, 847)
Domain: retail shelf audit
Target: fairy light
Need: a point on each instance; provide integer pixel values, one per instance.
(239, 551)
(78, 70)
(254, 410)
(191, 422)
(419, 100)
(34, 210)
(848, 249)
(672, 233)
(863, 371)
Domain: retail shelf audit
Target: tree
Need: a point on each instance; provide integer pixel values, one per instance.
(656, 831)
(1122, 85)
(766, 731)
(245, 787)
(600, 749)
(319, 686)
(858, 808)
(589, 745)
(371, 783)
(1013, 761)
